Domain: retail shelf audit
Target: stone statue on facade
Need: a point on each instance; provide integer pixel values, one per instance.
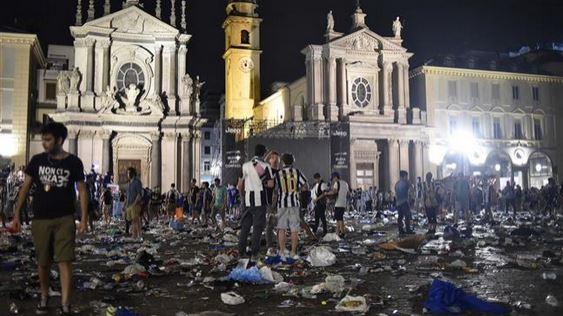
(197, 92)
(397, 27)
(74, 80)
(187, 86)
(108, 100)
(329, 22)
(63, 85)
(130, 98)
(152, 106)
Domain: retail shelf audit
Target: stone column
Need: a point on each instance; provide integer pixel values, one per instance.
(376, 166)
(341, 86)
(89, 74)
(386, 87)
(158, 69)
(393, 163)
(196, 155)
(406, 85)
(400, 85)
(332, 110)
(72, 140)
(156, 164)
(106, 148)
(102, 66)
(186, 173)
(418, 160)
(404, 155)
(316, 88)
(169, 76)
(185, 99)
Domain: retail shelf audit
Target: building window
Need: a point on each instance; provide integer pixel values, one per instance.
(476, 125)
(361, 92)
(536, 93)
(538, 135)
(474, 90)
(207, 135)
(207, 150)
(206, 165)
(515, 93)
(364, 175)
(452, 89)
(495, 91)
(130, 73)
(518, 134)
(453, 125)
(244, 37)
(497, 128)
(51, 91)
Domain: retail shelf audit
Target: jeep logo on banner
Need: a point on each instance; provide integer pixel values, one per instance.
(233, 150)
(340, 149)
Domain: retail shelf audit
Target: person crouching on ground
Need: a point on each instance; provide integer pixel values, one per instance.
(54, 174)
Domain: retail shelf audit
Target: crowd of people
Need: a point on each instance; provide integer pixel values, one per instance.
(272, 196)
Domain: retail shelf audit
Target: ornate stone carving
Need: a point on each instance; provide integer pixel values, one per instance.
(74, 80)
(187, 86)
(362, 43)
(129, 23)
(397, 28)
(63, 82)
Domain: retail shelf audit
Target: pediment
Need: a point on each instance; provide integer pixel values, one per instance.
(132, 20)
(366, 40)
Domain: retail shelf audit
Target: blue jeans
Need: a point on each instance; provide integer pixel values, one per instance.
(404, 216)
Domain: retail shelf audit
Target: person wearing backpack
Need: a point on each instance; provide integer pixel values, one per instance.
(319, 199)
(430, 203)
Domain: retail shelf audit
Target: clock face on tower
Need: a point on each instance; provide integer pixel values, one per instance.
(246, 64)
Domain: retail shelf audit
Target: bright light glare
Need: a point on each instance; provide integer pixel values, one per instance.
(497, 167)
(8, 146)
(462, 142)
(436, 154)
(538, 167)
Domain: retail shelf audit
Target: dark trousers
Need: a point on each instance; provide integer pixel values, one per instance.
(252, 217)
(320, 215)
(270, 226)
(127, 225)
(404, 216)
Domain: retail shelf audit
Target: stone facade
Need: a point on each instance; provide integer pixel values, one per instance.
(20, 56)
(359, 78)
(505, 121)
(129, 100)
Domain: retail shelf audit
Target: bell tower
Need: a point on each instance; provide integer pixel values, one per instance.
(242, 59)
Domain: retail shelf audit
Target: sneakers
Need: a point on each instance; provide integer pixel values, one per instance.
(65, 310)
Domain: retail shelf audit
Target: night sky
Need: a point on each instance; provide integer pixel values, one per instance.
(431, 27)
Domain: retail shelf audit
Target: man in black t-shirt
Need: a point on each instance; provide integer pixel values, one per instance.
(54, 175)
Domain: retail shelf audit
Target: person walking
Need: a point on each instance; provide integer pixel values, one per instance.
(256, 176)
(402, 188)
(133, 202)
(430, 197)
(55, 173)
(273, 159)
(219, 203)
(107, 202)
(171, 197)
(339, 193)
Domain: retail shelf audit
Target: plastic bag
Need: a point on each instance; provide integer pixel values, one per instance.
(352, 304)
(251, 275)
(232, 298)
(321, 257)
(331, 237)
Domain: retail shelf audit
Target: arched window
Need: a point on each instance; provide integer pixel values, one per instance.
(244, 37)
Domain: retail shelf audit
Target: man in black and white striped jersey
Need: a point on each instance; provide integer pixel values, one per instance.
(289, 181)
(256, 177)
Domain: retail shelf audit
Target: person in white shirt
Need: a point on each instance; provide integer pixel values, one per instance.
(256, 176)
(340, 190)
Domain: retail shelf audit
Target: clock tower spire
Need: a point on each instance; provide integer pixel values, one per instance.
(242, 59)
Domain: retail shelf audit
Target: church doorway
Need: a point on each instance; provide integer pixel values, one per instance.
(123, 165)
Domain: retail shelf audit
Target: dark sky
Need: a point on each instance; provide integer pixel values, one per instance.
(431, 27)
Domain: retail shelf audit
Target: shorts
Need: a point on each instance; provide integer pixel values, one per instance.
(431, 214)
(171, 208)
(54, 239)
(288, 218)
(133, 212)
(339, 213)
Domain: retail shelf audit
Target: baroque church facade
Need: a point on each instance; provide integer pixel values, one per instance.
(129, 101)
(355, 91)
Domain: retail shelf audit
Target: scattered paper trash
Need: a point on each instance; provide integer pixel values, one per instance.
(321, 257)
(355, 304)
(232, 298)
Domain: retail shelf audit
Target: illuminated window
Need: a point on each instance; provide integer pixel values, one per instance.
(361, 92)
(130, 73)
